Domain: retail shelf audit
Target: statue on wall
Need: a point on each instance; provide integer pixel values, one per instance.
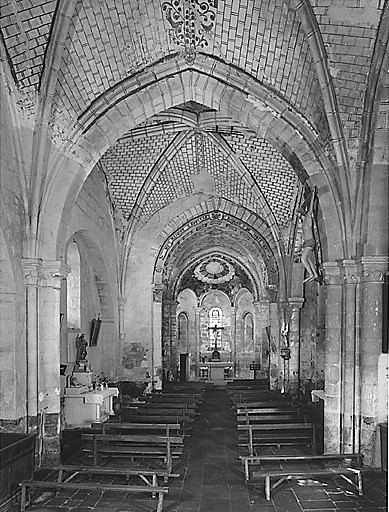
(81, 351)
(308, 257)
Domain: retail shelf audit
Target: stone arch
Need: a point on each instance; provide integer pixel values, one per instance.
(122, 108)
(180, 226)
(373, 158)
(104, 287)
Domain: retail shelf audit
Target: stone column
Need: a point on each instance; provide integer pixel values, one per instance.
(372, 270)
(197, 339)
(295, 305)
(52, 273)
(32, 271)
(156, 337)
(261, 342)
(170, 333)
(233, 336)
(350, 359)
(278, 367)
(121, 304)
(333, 358)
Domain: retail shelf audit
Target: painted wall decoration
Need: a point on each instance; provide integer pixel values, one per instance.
(191, 23)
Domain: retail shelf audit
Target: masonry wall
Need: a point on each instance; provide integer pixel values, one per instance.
(92, 227)
(12, 289)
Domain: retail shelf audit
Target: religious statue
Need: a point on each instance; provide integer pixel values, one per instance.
(308, 257)
(81, 345)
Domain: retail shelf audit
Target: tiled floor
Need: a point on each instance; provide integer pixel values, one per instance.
(211, 479)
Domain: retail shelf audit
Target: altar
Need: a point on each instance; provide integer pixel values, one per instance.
(84, 408)
(216, 370)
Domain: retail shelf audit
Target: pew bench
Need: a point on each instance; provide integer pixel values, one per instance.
(257, 415)
(277, 434)
(171, 401)
(141, 428)
(137, 446)
(150, 486)
(283, 475)
(353, 459)
(124, 416)
(168, 408)
(279, 417)
(352, 472)
(262, 402)
(193, 397)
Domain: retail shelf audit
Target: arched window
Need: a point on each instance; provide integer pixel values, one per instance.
(248, 333)
(73, 287)
(183, 332)
(215, 327)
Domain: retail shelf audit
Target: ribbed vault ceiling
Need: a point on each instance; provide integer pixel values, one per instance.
(77, 52)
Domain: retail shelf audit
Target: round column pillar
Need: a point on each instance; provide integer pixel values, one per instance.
(197, 340)
(170, 334)
(156, 337)
(49, 406)
(372, 270)
(295, 305)
(350, 357)
(32, 271)
(333, 358)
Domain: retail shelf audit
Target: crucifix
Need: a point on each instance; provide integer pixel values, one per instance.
(217, 331)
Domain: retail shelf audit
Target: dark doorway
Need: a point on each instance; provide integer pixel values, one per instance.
(184, 367)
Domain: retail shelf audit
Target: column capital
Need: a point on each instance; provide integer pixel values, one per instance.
(296, 302)
(272, 291)
(32, 268)
(349, 272)
(53, 272)
(331, 273)
(372, 269)
(158, 291)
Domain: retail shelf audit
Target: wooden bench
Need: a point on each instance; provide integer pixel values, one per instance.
(179, 401)
(262, 402)
(193, 397)
(256, 415)
(278, 434)
(149, 478)
(279, 417)
(185, 422)
(165, 408)
(247, 461)
(137, 446)
(284, 473)
(166, 428)
(253, 396)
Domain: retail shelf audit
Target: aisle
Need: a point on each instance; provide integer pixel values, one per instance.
(211, 473)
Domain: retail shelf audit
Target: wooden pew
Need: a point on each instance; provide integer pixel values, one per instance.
(137, 446)
(171, 399)
(167, 429)
(248, 383)
(278, 434)
(192, 396)
(350, 466)
(248, 397)
(148, 477)
(175, 415)
(256, 415)
(167, 407)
